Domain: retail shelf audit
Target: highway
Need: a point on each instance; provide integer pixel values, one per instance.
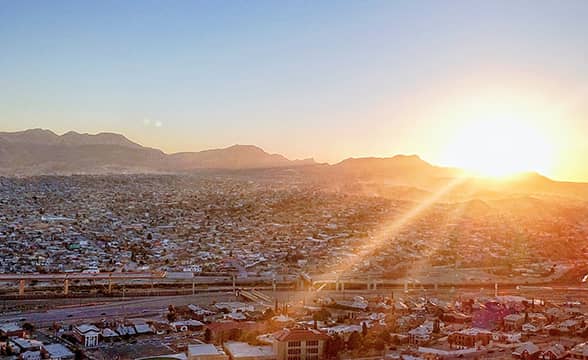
(136, 307)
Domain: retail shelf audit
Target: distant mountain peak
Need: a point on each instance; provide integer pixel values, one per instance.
(103, 138)
(240, 147)
(33, 136)
(396, 160)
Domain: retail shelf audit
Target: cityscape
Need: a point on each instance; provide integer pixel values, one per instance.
(330, 180)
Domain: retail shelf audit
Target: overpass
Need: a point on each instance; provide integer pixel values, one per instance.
(111, 277)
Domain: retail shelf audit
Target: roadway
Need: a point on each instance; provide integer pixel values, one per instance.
(130, 308)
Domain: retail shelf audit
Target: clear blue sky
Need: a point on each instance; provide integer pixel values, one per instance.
(328, 79)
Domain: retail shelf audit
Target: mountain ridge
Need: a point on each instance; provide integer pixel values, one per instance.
(43, 152)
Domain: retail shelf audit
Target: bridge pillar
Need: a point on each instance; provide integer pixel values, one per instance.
(193, 284)
(21, 287)
(342, 285)
(234, 284)
(110, 284)
(375, 285)
(66, 287)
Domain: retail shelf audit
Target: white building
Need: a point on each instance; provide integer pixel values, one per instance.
(87, 335)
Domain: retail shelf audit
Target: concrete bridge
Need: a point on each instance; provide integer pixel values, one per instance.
(111, 277)
(339, 282)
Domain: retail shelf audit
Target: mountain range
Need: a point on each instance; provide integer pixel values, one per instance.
(39, 151)
(42, 152)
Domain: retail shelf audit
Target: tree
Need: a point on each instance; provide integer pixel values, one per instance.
(436, 327)
(334, 346)
(354, 341)
(385, 336)
(171, 313)
(268, 313)
(380, 345)
(207, 335)
(171, 317)
(321, 315)
(28, 327)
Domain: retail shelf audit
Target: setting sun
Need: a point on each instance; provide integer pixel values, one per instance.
(500, 146)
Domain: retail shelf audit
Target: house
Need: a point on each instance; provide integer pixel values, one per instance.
(579, 351)
(342, 330)
(469, 338)
(126, 330)
(527, 351)
(86, 334)
(537, 319)
(199, 312)
(529, 328)
(419, 335)
(234, 306)
(185, 325)
(143, 329)
(513, 322)
(507, 338)
(300, 344)
(108, 334)
(21, 346)
(554, 352)
(56, 352)
(222, 331)
(11, 330)
(206, 352)
(569, 326)
(244, 351)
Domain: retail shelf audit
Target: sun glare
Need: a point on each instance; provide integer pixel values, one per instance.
(500, 146)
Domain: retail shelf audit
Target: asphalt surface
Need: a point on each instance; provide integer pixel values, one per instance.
(136, 308)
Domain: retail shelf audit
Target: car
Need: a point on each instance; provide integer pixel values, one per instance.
(102, 313)
(69, 315)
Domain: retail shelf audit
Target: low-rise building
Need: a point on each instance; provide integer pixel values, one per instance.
(86, 335)
(554, 352)
(206, 352)
(244, 351)
(11, 329)
(56, 352)
(526, 351)
(579, 352)
(300, 344)
(513, 322)
(469, 338)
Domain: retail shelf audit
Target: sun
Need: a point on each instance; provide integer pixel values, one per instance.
(500, 146)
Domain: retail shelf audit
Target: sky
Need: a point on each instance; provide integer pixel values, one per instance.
(321, 79)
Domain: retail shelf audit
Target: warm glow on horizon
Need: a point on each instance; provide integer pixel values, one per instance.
(501, 145)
